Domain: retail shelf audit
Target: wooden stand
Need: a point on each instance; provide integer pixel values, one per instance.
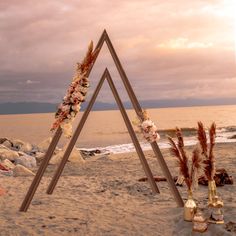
(106, 75)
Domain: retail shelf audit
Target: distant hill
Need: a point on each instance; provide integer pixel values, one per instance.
(26, 108)
(34, 107)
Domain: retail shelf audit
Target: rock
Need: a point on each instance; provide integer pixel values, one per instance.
(26, 160)
(39, 156)
(2, 167)
(233, 137)
(22, 146)
(16, 143)
(2, 140)
(43, 146)
(6, 153)
(20, 170)
(7, 144)
(75, 157)
(27, 147)
(6, 173)
(8, 164)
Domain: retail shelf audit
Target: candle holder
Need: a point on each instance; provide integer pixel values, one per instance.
(217, 216)
(211, 193)
(215, 204)
(190, 207)
(200, 223)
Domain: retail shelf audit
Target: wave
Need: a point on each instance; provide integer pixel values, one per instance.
(223, 135)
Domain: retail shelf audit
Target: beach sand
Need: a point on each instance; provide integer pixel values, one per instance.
(104, 197)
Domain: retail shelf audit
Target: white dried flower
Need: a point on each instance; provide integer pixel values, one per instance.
(65, 108)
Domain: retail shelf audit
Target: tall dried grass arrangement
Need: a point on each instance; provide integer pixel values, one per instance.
(89, 59)
(188, 170)
(76, 93)
(207, 150)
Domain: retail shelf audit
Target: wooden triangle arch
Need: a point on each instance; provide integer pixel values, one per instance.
(106, 75)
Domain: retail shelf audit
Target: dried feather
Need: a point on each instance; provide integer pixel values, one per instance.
(180, 138)
(196, 159)
(183, 163)
(202, 138)
(207, 168)
(174, 149)
(181, 144)
(212, 134)
(196, 166)
(82, 71)
(88, 60)
(182, 151)
(209, 159)
(88, 54)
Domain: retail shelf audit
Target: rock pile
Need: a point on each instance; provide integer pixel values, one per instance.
(19, 158)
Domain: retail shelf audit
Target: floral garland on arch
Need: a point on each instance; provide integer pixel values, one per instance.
(76, 93)
(147, 127)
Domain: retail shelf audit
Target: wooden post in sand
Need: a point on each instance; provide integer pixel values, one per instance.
(106, 75)
(35, 183)
(138, 110)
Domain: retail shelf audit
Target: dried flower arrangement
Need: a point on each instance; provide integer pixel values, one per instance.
(209, 158)
(76, 93)
(147, 127)
(210, 170)
(188, 170)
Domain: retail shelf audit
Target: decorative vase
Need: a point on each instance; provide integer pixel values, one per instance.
(211, 193)
(215, 203)
(190, 207)
(217, 216)
(199, 222)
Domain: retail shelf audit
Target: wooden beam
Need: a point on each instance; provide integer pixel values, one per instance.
(35, 183)
(74, 138)
(138, 111)
(133, 136)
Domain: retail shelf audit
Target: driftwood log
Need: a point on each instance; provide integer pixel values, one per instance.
(221, 178)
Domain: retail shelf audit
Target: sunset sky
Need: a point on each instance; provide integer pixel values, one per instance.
(170, 49)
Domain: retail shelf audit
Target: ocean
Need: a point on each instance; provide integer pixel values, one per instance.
(106, 130)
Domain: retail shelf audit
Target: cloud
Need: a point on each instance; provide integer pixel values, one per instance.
(184, 43)
(32, 82)
(169, 48)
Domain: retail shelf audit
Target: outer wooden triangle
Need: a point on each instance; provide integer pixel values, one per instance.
(106, 75)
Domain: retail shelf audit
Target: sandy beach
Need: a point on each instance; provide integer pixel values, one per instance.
(104, 197)
(100, 80)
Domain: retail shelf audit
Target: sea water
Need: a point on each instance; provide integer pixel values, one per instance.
(106, 129)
